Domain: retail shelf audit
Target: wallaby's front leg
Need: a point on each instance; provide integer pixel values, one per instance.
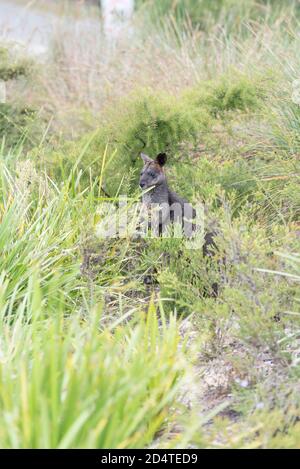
(159, 218)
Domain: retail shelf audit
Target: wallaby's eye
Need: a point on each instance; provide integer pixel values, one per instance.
(152, 174)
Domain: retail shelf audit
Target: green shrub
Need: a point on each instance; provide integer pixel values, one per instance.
(231, 92)
(12, 67)
(144, 121)
(18, 124)
(154, 122)
(268, 189)
(16, 120)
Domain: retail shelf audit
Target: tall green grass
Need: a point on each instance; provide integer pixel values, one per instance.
(65, 382)
(72, 373)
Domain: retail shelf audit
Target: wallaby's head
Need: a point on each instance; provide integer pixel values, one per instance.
(152, 173)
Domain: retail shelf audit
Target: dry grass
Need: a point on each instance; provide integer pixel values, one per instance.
(86, 72)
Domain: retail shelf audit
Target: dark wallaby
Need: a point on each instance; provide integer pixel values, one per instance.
(169, 206)
(153, 175)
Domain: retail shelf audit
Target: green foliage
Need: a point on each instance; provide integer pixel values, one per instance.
(12, 67)
(247, 325)
(17, 124)
(154, 122)
(148, 122)
(231, 92)
(77, 390)
(31, 240)
(70, 381)
(10, 72)
(16, 121)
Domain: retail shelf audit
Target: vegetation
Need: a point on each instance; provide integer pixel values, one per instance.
(119, 342)
(16, 119)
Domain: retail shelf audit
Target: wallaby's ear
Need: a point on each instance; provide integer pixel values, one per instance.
(146, 158)
(161, 159)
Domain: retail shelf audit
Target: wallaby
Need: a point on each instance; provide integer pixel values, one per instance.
(171, 206)
(166, 206)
